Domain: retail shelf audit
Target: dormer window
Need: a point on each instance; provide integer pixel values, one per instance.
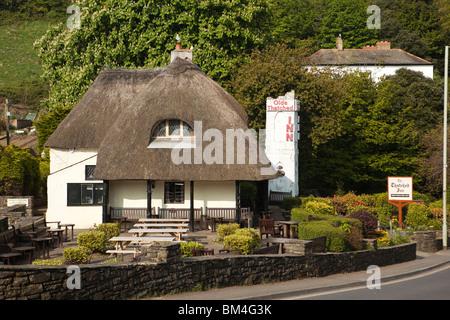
(172, 129)
(170, 133)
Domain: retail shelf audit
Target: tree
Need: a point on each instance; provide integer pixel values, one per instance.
(348, 18)
(136, 34)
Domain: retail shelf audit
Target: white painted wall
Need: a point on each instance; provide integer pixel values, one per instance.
(68, 166)
(377, 72)
(133, 194)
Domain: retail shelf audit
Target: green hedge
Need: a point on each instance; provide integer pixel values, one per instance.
(314, 229)
(187, 247)
(243, 241)
(76, 255)
(95, 241)
(110, 230)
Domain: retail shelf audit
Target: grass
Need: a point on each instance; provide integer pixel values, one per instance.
(18, 59)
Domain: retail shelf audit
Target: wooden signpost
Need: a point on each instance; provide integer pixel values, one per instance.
(400, 193)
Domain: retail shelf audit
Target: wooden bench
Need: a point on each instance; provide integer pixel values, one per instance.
(227, 214)
(132, 214)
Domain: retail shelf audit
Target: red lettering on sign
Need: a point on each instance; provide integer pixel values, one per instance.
(289, 137)
(289, 128)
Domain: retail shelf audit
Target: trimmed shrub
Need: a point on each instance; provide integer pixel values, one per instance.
(319, 207)
(47, 262)
(224, 230)
(76, 255)
(95, 241)
(187, 247)
(110, 229)
(369, 222)
(291, 202)
(242, 241)
(335, 235)
(418, 216)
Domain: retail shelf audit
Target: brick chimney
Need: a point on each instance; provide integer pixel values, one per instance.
(383, 45)
(339, 43)
(181, 53)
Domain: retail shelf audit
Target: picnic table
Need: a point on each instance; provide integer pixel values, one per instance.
(133, 243)
(161, 225)
(175, 232)
(158, 220)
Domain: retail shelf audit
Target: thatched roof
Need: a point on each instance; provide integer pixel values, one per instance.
(364, 57)
(118, 112)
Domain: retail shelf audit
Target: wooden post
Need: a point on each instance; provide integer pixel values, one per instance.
(7, 114)
(149, 198)
(191, 213)
(400, 205)
(238, 202)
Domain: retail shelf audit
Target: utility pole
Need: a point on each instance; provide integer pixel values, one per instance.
(444, 176)
(7, 114)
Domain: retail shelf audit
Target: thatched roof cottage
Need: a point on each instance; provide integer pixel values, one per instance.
(141, 142)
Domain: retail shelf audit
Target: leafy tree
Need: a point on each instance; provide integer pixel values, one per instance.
(135, 34)
(348, 18)
(48, 123)
(19, 172)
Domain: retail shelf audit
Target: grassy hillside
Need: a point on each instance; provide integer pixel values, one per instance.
(18, 59)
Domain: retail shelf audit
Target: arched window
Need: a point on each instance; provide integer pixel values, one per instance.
(172, 129)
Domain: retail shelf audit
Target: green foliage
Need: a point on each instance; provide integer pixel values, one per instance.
(335, 235)
(48, 123)
(291, 202)
(187, 247)
(317, 207)
(95, 241)
(47, 262)
(109, 229)
(19, 172)
(137, 34)
(349, 18)
(224, 230)
(242, 241)
(418, 216)
(76, 255)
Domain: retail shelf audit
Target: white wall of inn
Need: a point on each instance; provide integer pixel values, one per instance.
(68, 166)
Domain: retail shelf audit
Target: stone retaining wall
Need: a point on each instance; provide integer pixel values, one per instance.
(148, 278)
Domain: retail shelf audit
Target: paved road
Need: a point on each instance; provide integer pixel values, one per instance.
(434, 285)
(425, 262)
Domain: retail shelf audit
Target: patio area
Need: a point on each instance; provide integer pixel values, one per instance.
(205, 237)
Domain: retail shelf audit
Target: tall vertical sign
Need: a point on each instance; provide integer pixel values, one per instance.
(281, 141)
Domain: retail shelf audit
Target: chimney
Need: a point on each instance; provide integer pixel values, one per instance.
(383, 45)
(185, 54)
(339, 43)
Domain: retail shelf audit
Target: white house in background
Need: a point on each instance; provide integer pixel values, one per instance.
(380, 60)
(113, 155)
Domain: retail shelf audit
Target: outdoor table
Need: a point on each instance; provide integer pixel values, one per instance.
(161, 225)
(175, 232)
(66, 226)
(121, 221)
(38, 241)
(158, 220)
(26, 249)
(287, 226)
(58, 233)
(8, 256)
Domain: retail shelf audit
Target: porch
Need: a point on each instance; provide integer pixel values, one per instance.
(203, 218)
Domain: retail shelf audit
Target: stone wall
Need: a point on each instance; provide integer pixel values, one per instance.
(149, 278)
